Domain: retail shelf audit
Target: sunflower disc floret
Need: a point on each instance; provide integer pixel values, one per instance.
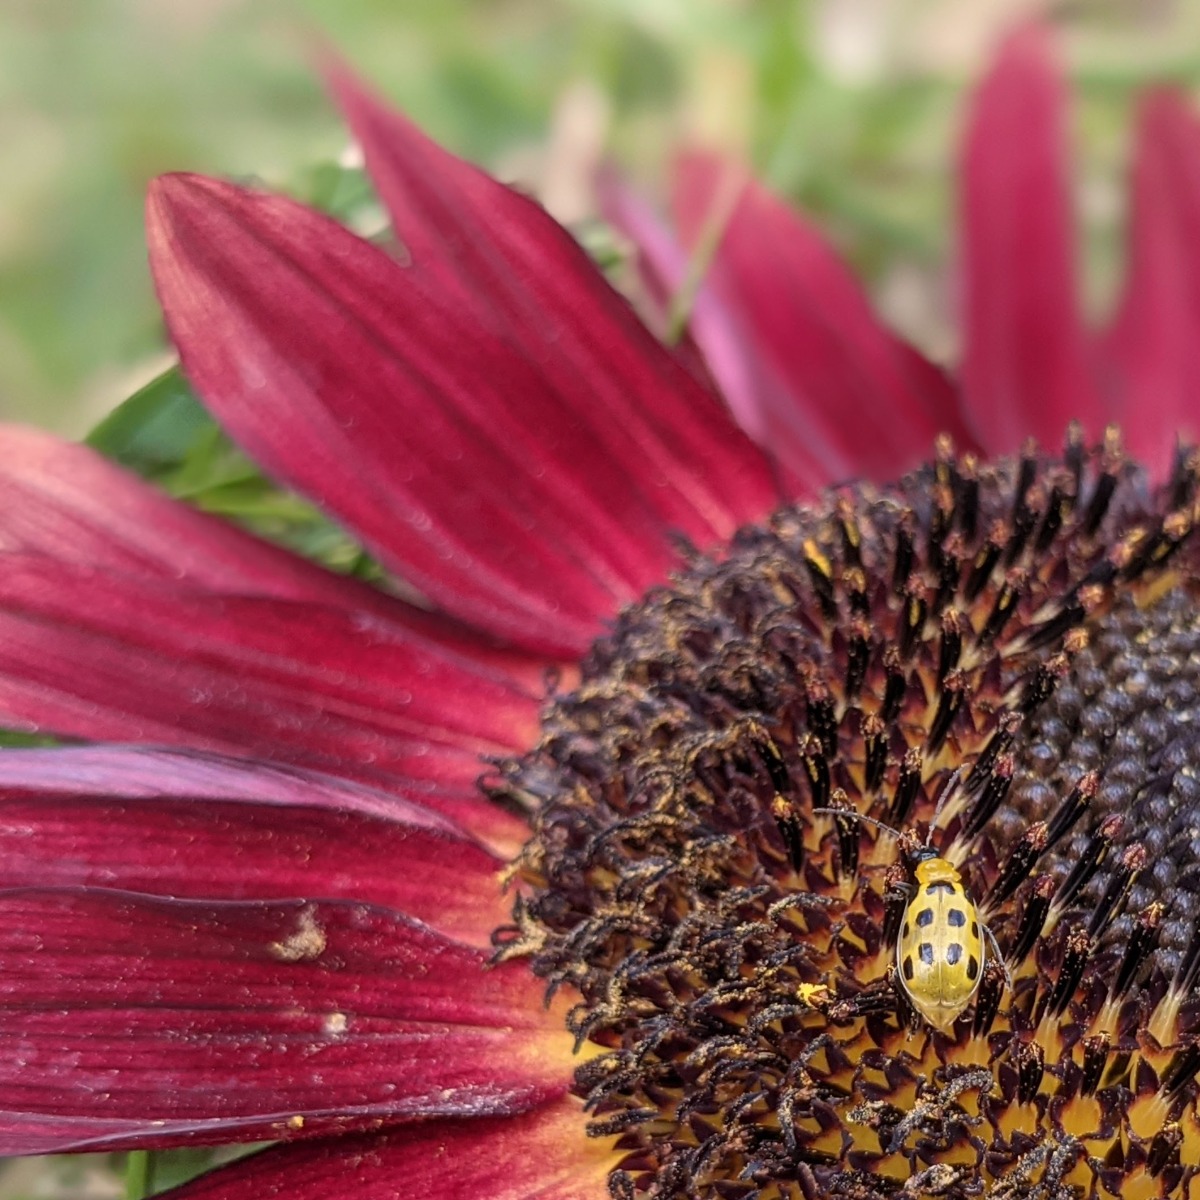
(1016, 640)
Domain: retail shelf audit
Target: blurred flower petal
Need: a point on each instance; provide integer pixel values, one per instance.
(539, 1155)
(1153, 349)
(663, 268)
(132, 1020)
(215, 841)
(809, 338)
(516, 270)
(1026, 370)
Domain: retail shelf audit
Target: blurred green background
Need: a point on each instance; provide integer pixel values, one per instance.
(848, 105)
(851, 107)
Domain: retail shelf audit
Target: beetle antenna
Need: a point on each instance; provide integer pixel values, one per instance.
(951, 786)
(857, 816)
(999, 956)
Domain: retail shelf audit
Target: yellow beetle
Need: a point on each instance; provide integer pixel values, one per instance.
(940, 950)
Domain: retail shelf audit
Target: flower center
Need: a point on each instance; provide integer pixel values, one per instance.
(1000, 663)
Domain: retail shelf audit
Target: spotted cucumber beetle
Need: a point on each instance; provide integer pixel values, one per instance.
(940, 949)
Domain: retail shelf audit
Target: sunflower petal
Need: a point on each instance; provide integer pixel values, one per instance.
(119, 658)
(812, 344)
(80, 817)
(494, 482)
(64, 500)
(543, 1154)
(127, 772)
(506, 260)
(1026, 369)
(1153, 349)
(132, 1020)
(662, 265)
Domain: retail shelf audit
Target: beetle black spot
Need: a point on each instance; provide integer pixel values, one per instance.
(953, 953)
(907, 966)
(925, 917)
(972, 967)
(975, 930)
(925, 950)
(957, 918)
(934, 888)
(907, 929)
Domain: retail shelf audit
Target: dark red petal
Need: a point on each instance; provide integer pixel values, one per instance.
(1026, 370)
(502, 257)
(1153, 350)
(500, 487)
(128, 1019)
(839, 396)
(539, 1155)
(145, 772)
(90, 655)
(67, 823)
(66, 501)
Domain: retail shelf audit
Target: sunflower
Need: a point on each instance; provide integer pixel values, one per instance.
(561, 866)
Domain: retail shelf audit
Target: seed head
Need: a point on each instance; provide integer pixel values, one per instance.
(1013, 647)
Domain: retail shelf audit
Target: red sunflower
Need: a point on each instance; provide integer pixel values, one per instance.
(264, 898)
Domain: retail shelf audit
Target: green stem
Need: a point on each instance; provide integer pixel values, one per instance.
(139, 1174)
(724, 201)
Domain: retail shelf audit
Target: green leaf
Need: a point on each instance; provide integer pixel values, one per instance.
(155, 428)
(163, 434)
(15, 739)
(341, 191)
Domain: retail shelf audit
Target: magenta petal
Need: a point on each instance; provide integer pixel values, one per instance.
(90, 655)
(813, 347)
(543, 1154)
(67, 820)
(659, 259)
(145, 773)
(662, 262)
(149, 773)
(128, 1019)
(501, 489)
(1026, 369)
(1153, 350)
